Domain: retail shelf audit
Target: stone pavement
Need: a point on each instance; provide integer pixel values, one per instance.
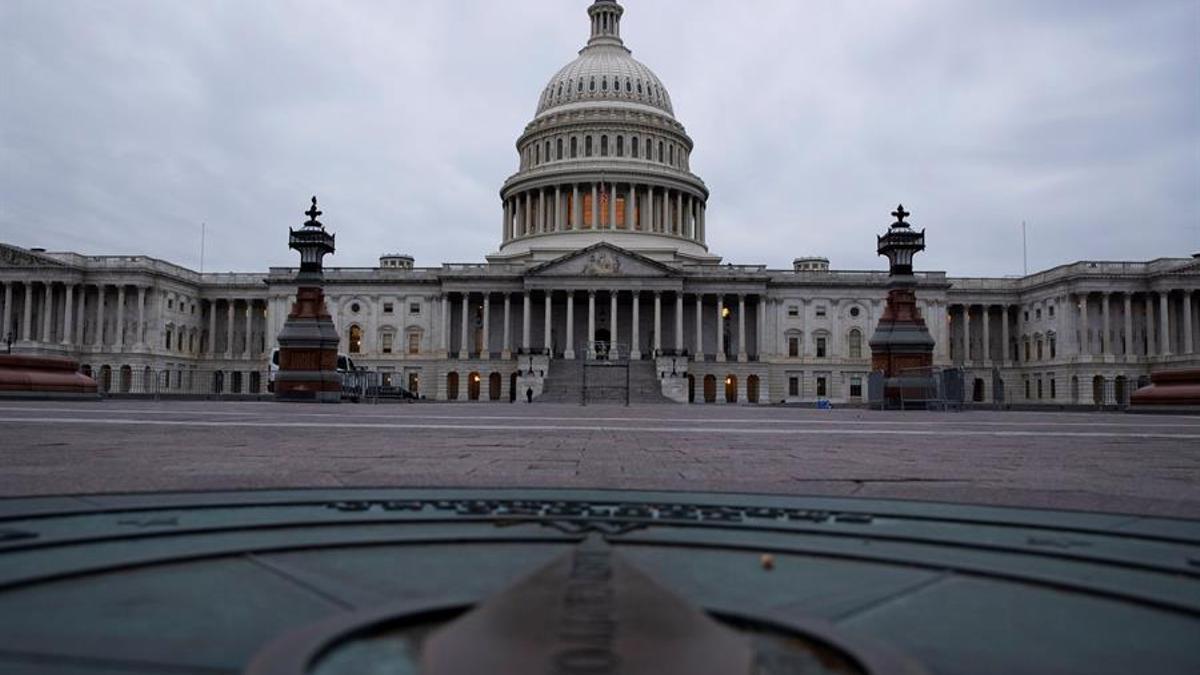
(1091, 461)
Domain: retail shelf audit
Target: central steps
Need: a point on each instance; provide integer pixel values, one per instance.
(605, 382)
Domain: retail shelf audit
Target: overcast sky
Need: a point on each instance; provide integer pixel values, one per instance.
(126, 124)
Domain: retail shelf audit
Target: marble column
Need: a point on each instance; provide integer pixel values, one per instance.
(444, 320)
(569, 351)
(1151, 338)
(678, 323)
(140, 338)
(486, 352)
(547, 329)
(558, 210)
(576, 207)
(1106, 339)
(99, 340)
(741, 355)
(506, 345)
(1128, 321)
(229, 329)
(1085, 333)
(68, 334)
(212, 327)
(1164, 319)
(635, 341)
(966, 334)
(630, 206)
(1188, 347)
(591, 325)
(613, 332)
(987, 334)
(248, 352)
(27, 315)
(699, 355)
(657, 323)
(507, 221)
(527, 215)
(8, 310)
(464, 344)
(612, 207)
(526, 321)
(679, 219)
(595, 206)
(1005, 349)
(720, 327)
(120, 318)
(47, 312)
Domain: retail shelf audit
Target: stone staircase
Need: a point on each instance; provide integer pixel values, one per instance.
(606, 383)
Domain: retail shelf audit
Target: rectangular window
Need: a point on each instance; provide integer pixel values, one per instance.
(1053, 393)
(414, 308)
(793, 310)
(1053, 347)
(820, 311)
(388, 308)
(820, 348)
(387, 343)
(794, 347)
(1038, 315)
(1026, 389)
(574, 147)
(856, 387)
(821, 388)
(634, 148)
(793, 386)
(587, 146)
(1039, 382)
(170, 303)
(1052, 313)
(414, 343)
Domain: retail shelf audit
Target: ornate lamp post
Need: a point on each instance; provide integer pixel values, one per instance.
(902, 348)
(308, 343)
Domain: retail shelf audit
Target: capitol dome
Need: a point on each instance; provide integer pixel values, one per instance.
(604, 160)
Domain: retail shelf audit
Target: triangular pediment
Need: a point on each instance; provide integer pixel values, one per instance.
(602, 260)
(15, 256)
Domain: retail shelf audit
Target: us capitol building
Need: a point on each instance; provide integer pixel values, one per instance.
(603, 255)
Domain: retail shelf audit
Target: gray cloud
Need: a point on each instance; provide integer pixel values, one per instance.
(126, 124)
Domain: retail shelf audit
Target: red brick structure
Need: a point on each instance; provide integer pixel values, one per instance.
(1178, 388)
(308, 343)
(44, 377)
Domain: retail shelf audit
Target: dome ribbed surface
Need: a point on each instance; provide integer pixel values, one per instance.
(605, 73)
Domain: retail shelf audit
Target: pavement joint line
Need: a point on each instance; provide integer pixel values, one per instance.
(679, 420)
(596, 428)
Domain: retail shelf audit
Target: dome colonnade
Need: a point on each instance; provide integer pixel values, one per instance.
(604, 154)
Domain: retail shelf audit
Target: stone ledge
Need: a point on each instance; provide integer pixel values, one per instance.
(44, 377)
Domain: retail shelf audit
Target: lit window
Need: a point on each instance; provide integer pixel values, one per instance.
(355, 340)
(414, 343)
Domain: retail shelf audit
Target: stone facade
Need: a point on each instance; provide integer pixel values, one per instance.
(603, 242)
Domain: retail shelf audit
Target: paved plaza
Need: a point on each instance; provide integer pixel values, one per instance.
(1093, 461)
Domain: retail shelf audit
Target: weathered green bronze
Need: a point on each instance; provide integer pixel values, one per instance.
(360, 581)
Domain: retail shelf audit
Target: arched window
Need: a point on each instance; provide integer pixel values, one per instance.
(604, 146)
(604, 83)
(560, 87)
(620, 146)
(639, 87)
(547, 155)
(592, 86)
(587, 146)
(559, 154)
(574, 147)
(634, 147)
(537, 157)
(855, 344)
(355, 340)
(660, 151)
(628, 87)
(672, 153)
(580, 88)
